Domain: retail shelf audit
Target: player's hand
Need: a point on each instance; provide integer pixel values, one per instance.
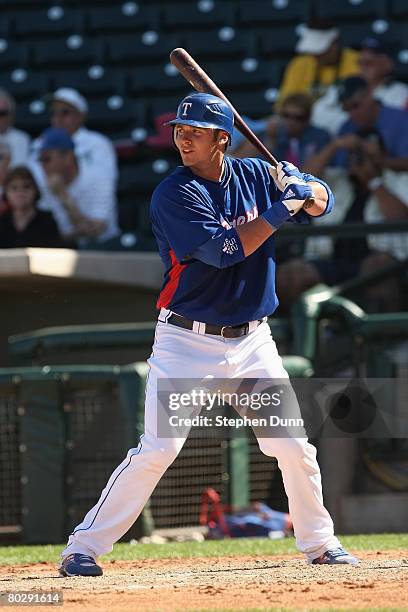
(291, 201)
(286, 174)
(294, 196)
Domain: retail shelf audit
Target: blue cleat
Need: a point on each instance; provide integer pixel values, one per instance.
(336, 556)
(79, 565)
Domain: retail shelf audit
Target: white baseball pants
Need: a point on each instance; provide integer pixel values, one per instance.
(183, 353)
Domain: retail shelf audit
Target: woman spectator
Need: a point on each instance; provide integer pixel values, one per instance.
(22, 225)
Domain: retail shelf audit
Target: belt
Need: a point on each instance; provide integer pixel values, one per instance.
(226, 331)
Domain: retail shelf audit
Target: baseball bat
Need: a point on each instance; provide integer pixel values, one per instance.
(200, 80)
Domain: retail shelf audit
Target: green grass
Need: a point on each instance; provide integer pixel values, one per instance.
(177, 550)
(305, 609)
(300, 610)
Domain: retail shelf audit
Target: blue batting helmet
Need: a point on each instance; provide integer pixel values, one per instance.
(204, 110)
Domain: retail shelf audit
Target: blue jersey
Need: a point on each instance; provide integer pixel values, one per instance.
(207, 277)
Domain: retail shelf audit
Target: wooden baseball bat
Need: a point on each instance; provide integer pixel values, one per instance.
(200, 80)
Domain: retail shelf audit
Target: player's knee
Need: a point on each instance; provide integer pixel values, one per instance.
(156, 455)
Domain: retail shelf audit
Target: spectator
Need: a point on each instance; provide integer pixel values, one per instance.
(366, 113)
(94, 151)
(376, 63)
(320, 62)
(289, 135)
(5, 159)
(376, 67)
(18, 141)
(387, 201)
(81, 199)
(23, 225)
(376, 194)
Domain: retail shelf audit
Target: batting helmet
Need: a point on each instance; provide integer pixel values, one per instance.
(204, 110)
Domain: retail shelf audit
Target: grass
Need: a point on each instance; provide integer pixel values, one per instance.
(255, 547)
(304, 609)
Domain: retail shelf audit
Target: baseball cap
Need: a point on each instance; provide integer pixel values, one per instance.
(316, 41)
(56, 138)
(350, 86)
(72, 97)
(377, 45)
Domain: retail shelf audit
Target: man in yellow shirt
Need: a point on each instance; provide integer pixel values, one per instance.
(320, 62)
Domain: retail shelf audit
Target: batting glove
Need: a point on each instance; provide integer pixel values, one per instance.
(286, 174)
(292, 200)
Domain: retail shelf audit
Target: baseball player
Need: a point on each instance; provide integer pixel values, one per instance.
(214, 218)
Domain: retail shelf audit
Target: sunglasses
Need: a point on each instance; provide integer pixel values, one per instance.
(61, 111)
(45, 159)
(352, 106)
(294, 117)
(4, 112)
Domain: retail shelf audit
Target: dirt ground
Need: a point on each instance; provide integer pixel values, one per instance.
(234, 583)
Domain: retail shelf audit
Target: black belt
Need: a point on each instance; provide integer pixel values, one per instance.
(227, 331)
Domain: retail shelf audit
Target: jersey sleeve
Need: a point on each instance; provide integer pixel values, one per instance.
(191, 227)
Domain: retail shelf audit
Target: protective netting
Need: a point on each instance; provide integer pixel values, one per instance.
(94, 444)
(200, 464)
(10, 470)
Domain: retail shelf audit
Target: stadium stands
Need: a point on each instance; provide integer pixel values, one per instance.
(117, 55)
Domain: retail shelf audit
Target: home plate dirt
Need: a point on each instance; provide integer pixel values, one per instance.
(234, 583)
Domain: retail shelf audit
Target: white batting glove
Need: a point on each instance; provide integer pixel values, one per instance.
(291, 201)
(294, 196)
(286, 174)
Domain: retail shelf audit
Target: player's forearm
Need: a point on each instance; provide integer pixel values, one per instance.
(253, 234)
(320, 196)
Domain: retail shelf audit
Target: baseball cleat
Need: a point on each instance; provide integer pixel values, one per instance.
(336, 556)
(79, 565)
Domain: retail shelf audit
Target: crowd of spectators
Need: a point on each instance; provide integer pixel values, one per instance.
(60, 188)
(340, 114)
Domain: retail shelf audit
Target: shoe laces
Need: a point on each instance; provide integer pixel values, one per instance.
(80, 557)
(336, 552)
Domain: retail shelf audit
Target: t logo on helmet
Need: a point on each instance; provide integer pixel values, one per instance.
(186, 106)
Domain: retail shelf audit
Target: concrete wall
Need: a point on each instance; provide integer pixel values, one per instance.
(47, 287)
